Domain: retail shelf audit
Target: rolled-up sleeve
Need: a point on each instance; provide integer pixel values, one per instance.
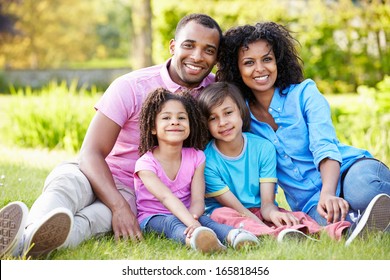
(322, 134)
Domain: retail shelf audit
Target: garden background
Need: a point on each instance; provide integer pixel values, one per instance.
(345, 46)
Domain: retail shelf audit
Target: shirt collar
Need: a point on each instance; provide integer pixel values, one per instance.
(277, 102)
(174, 87)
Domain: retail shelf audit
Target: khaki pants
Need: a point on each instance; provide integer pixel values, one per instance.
(66, 186)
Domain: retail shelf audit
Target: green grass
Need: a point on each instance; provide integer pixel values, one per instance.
(22, 174)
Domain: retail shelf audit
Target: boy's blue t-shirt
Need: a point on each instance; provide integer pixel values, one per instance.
(241, 175)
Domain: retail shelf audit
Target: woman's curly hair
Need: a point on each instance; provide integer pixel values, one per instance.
(288, 61)
(152, 106)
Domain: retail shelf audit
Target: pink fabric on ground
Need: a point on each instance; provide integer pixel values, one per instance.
(229, 216)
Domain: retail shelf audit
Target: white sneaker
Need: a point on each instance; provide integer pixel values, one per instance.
(13, 219)
(376, 217)
(48, 234)
(205, 240)
(293, 234)
(241, 237)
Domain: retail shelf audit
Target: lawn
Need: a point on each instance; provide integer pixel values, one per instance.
(22, 174)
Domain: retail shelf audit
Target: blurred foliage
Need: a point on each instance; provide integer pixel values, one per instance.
(343, 43)
(365, 123)
(54, 117)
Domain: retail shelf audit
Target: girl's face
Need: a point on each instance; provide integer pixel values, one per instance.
(225, 122)
(172, 123)
(257, 66)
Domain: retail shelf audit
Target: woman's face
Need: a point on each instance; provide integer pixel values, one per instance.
(257, 65)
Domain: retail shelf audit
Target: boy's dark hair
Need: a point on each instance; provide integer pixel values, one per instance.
(153, 105)
(289, 64)
(214, 95)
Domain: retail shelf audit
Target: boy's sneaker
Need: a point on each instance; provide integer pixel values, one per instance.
(12, 222)
(49, 233)
(376, 217)
(205, 240)
(293, 234)
(241, 237)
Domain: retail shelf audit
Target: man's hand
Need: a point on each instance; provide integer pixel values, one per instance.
(125, 225)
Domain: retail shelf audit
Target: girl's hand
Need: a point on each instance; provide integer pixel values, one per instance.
(332, 208)
(190, 229)
(282, 218)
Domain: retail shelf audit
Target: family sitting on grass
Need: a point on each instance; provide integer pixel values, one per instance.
(177, 150)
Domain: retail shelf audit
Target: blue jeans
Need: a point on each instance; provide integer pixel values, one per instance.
(364, 180)
(173, 228)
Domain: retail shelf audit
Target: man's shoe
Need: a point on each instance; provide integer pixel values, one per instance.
(12, 222)
(293, 234)
(205, 240)
(241, 238)
(49, 233)
(376, 217)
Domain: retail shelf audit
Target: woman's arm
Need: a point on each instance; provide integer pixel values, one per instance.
(327, 157)
(330, 206)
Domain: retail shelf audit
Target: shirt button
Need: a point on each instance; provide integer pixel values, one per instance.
(270, 109)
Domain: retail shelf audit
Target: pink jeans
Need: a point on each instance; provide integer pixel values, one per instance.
(229, 216)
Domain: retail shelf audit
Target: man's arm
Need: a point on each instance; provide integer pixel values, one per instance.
(98, 143)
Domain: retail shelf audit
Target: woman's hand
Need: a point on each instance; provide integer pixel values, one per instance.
(332, 208)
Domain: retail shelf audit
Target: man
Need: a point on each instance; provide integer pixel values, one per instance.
(96, 195)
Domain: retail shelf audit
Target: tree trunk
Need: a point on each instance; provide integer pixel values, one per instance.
(142, 30)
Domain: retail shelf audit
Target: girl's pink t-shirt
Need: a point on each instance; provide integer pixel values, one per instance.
(147, 204)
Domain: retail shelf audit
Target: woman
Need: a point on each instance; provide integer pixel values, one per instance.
(319, 175)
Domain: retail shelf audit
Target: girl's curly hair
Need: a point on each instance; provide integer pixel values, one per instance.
(153, 105)
(288, 61)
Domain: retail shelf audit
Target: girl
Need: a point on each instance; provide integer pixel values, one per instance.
(240, 171)
(319, 175)
(169, 179)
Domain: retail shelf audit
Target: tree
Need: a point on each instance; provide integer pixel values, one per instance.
(52, 32)
(142, 31)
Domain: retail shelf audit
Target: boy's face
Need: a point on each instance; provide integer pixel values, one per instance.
(194, 54)
(225, 122)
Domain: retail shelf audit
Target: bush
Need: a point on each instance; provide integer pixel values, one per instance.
(366, 122)
(54, 117)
